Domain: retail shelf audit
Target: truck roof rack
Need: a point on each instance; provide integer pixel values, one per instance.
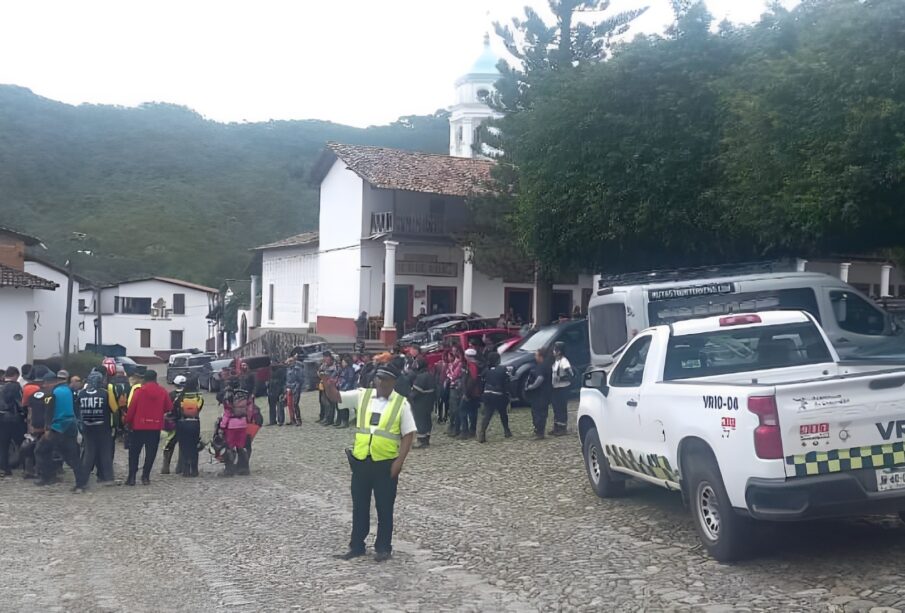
(696, 272)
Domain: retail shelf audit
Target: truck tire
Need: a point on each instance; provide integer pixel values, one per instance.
(601, 479)
(725, 534)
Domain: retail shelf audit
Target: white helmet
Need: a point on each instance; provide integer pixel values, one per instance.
(179, 381)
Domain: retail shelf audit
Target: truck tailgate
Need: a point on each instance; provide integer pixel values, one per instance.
(844, 423)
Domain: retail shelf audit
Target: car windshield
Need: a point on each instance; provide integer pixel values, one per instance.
(538, 340)
(125, 360)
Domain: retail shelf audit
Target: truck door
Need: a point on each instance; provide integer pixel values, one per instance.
(622, 432)
(853, 321)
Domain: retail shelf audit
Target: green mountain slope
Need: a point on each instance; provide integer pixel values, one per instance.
(160, 190)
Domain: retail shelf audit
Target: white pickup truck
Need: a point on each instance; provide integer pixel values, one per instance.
(750, 417)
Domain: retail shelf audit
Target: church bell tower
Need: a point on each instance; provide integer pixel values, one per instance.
(473, 91)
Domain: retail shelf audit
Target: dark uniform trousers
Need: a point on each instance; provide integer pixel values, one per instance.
(98, 442)
(64, 443)
(370, 476)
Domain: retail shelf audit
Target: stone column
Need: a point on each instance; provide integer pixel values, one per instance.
(885, 271)
(388, 332)
(843, 270)
(595, 284)
(467, 280)
(254, 301)
(801, 265)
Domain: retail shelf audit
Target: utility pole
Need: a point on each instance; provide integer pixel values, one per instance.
(68, 332)
(100, 327)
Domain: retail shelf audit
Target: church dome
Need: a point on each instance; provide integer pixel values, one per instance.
(486, 62)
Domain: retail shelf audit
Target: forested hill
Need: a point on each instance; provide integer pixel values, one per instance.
(160, 190)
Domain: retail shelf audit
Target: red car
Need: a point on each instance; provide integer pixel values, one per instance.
(495, 336)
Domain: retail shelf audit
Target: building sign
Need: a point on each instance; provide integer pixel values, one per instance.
(711, 289)
(427, 269)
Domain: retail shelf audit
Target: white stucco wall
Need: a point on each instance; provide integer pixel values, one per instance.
(123, 328)
(15, 304)
(50, 316)
(288, 271)
(339, 261)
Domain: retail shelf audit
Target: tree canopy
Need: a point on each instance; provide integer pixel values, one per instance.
(159, 190)
(786, 137)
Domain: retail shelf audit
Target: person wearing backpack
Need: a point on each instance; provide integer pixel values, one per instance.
(94, 413)
(234, 425)
(10, 417)
(187, 405)
(169, 427)
(62, 431)
(118, 388)
(562, 377)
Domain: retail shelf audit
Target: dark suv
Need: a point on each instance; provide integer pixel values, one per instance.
(519, 360)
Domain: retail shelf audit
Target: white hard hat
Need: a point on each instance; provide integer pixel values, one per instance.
(471, 353)
(179, 381)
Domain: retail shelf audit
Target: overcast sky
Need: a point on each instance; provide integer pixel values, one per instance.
(358, 62)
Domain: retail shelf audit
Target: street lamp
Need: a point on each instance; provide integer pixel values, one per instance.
(76, 236)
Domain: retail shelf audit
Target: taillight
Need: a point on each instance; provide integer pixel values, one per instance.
(740, 320)
(767, 436)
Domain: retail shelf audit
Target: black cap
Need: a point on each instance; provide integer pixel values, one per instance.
(387, 371)
(150, 375)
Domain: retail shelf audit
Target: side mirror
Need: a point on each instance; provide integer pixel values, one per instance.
(597, 379)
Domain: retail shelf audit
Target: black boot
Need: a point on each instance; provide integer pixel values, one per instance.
(180, 463)
(507, 432)
(423, 442)
(242, 467)
(482, 433)
(167, 458)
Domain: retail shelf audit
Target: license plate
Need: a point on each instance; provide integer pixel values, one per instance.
(890, 479)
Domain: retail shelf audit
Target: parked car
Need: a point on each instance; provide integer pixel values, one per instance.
(752, 417)
(130, 366)
(209, 375)
(462, 339)
(519, 360)
(187, 365)
(420, 334)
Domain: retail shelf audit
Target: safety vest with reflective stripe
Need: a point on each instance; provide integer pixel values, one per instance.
(383, 442)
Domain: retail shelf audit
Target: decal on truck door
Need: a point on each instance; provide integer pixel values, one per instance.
(652, 465)
(840, 460)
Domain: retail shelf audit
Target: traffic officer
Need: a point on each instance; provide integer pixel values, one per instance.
(384, 429)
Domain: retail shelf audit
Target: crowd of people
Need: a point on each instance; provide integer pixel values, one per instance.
(464, 389)
(58, 420)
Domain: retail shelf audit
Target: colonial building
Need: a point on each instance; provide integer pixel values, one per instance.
(21, 294)
(149, 316)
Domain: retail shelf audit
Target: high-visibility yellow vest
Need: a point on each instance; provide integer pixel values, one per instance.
(383, 443)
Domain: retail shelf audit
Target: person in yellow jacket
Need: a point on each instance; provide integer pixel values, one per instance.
(384, 429)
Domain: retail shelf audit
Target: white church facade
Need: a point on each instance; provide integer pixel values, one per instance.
(388, 219)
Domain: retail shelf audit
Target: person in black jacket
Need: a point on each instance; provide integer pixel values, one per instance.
(275, 387)
(537, 392)
(11, 422)
(422, 396)
(495, 398)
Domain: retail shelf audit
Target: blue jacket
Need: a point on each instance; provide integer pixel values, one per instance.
(63, 409)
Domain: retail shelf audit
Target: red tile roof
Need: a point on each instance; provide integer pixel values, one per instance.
(10, 277)
(299, 240)
(411, 171)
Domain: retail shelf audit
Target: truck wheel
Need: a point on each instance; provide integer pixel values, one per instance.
(599, 475)
(726, 534)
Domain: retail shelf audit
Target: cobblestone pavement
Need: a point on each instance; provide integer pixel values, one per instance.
(507, 526)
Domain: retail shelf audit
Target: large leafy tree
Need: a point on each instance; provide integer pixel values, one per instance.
(579, 35)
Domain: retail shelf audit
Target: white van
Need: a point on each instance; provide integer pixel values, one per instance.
(851, 320)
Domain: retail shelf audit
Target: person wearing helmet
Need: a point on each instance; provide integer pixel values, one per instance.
(169, 426)
(187, 405)
(95, 414)
(562, 377)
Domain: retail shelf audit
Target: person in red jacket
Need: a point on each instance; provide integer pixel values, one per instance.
(147, 407)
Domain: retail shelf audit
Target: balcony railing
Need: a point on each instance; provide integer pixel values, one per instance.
(388, 222)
